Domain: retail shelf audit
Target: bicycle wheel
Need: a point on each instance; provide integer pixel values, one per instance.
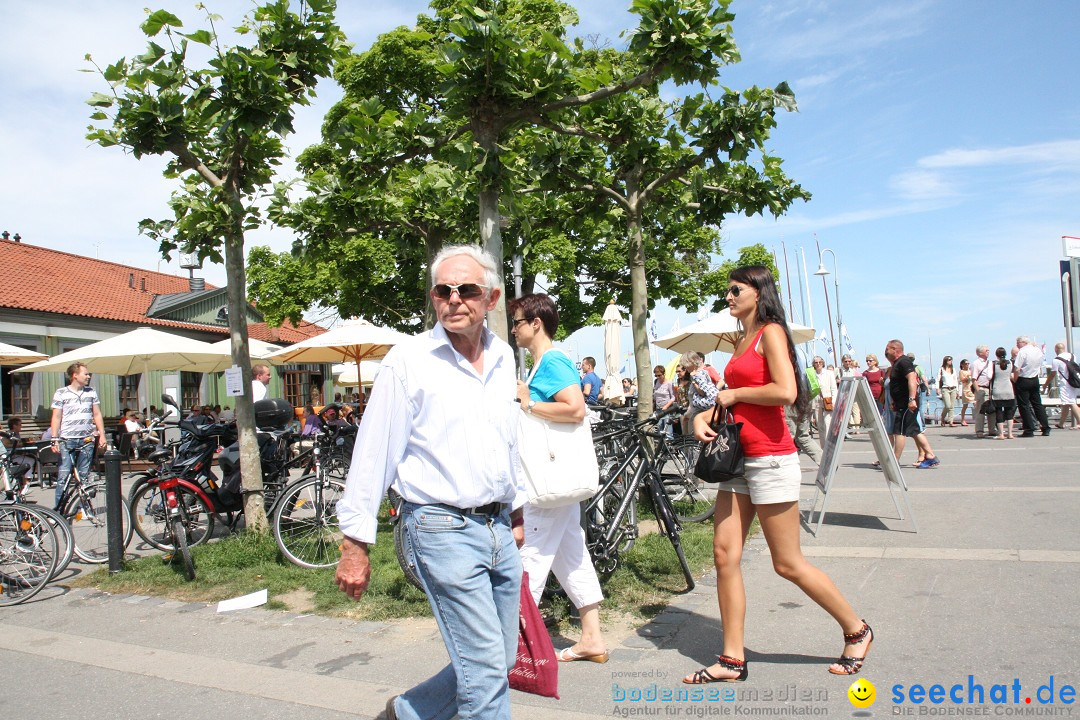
(669, 526)
(65, 540)
(150, 517)
(86, 513)
(28, 553)
(689, 497)
(179, 533)
(305, 522)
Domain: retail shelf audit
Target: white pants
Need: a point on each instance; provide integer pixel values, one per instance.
(555, 542)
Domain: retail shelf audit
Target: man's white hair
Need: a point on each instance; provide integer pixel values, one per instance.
(1023, 339)
(482, 257)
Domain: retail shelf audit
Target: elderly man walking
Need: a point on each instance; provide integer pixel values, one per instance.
(1026, 379)
(441, 427)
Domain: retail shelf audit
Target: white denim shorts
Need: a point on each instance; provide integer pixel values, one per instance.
(769, 479)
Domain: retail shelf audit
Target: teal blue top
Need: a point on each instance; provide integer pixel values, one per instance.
(556, 371)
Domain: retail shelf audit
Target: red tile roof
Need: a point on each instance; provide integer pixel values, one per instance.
(46, 280)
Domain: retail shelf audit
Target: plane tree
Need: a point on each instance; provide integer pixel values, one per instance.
(220, 122)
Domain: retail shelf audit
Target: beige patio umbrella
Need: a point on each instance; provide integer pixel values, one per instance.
(138, 351)
(353, 340)
(612, 352)
(718, 332)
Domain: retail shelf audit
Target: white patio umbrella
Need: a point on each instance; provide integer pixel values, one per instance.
(612, 351)
(348, 376)
(138, 351)
(354, 340)
(15, 355)
(718, 332)
(257, 349)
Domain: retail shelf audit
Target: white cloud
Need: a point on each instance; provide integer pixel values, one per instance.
(1048, 154)
(923, 185)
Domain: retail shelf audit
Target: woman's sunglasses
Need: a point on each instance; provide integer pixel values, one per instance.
(734, 291)
(465, 291)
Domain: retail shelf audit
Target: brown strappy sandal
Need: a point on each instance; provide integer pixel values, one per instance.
(703, 677)
(852, 665)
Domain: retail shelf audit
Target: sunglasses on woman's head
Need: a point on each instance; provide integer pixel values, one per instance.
(465, 291)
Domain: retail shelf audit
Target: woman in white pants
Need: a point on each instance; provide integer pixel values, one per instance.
(554, 538)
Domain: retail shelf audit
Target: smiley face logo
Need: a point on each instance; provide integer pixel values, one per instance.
(862, 693)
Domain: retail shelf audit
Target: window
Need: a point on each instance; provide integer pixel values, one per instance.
(189, 389)
(21, 403)
(127, 387)
(295, 382)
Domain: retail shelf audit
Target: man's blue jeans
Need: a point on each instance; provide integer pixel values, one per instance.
(471, 571)
(82, 453)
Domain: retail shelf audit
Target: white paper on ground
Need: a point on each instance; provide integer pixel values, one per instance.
(243, 602)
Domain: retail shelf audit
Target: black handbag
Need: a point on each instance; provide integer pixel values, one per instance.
(722, 458)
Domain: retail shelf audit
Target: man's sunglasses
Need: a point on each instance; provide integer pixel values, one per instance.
(465, 291)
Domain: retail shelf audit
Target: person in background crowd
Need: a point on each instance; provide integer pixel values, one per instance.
(76, 415)
(850, 368)
(904, 396)
(663, 396)
(1066, 392)
(682, 394)
(947, 382)
(1026, 380)
(967, 390)
(17, 440)
(702, 390)
(875, 378)
(227, 414)
(980, 378)
(590, 381)
(714, 375)
(260, 382)
(823, 404)
(1001, 390)
(629, 389)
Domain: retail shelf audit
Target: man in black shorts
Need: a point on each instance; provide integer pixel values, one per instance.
(904, 396)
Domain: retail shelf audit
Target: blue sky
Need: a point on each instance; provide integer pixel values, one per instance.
(941, 142)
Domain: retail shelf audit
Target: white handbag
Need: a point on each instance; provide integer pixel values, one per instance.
(559, 460)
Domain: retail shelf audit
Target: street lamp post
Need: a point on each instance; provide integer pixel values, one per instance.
(836, 291)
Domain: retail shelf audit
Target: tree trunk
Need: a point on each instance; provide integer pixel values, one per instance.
(639, 301)
(250, 464)
(490, 232)
(433, 242)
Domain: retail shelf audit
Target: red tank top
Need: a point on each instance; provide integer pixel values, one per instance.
(764, 431)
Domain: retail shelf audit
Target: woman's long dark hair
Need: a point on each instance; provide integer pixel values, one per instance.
(1001, 353)
(771, 310)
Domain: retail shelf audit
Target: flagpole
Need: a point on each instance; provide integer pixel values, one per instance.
(809, 306)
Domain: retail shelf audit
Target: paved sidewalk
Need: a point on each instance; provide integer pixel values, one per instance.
(987, 588)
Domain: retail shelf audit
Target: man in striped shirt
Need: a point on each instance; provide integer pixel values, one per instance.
(76, 416)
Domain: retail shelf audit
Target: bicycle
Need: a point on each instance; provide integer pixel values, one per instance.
(635, 469)
(28, 552)
(304, 519)
(83, 504)
(13, 485)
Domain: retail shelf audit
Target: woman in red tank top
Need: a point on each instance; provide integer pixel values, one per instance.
(760, 382)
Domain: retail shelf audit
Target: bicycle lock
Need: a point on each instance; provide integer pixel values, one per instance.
(113, 514)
